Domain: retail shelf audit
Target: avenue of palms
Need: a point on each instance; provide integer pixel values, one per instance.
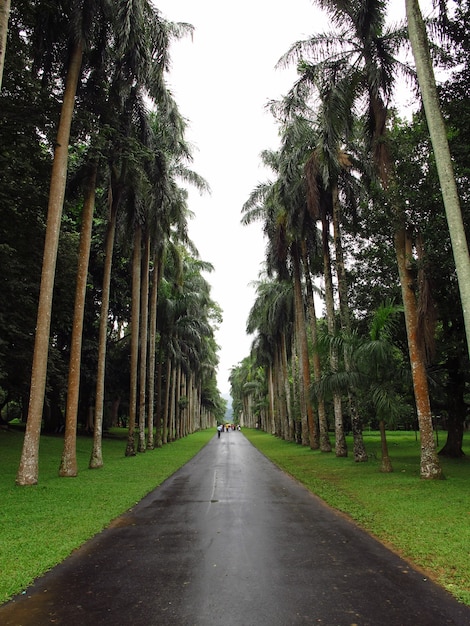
(117, 323)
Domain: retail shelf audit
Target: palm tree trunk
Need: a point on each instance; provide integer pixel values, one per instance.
(386, 465)
(166, 408)
(143, 342)
(68, 465)
(173, 405)
(309, 430)
(330, 316)
(4, 17)
(440, 144)
(28, 471)
(135, 318)
(96, 458)
(275, 428)
(152, 356)
(430, 467)
(159, 403)
(287, 389)
(325, 444)
(341, 448)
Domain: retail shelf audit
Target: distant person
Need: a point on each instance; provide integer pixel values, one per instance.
(219, 430)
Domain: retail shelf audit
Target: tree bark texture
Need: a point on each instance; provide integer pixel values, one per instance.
(28, 471)
(135, 319)
(440, 144)
(68, 465)
(309, 431)
(430, 467)
(96, 459)
(144, 342)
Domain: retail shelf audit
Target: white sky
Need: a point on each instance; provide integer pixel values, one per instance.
(221, 81)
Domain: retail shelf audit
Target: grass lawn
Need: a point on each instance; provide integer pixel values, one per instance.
(427, 522)
(41, 525)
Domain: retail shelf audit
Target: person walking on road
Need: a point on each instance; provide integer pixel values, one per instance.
(219, 430)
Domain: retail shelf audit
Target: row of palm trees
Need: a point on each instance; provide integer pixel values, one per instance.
(107, 63)
(334, 136)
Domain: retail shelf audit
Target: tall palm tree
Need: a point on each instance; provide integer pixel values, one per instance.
(440, 144)
(68, 466)
(270, 321)
(280, 205)
(28, 470)
(138, 69)
(361, 60)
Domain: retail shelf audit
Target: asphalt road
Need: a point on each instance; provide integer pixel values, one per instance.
(230, 540)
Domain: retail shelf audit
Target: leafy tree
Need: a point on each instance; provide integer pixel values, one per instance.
(28, 467)
(360, 58)
(438, 133)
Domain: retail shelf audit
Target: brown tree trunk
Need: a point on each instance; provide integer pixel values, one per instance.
(68, 465)
(341, 448)
(386, 466)
(152, 358)
(309, 430)
(330, 316)
(457, 412)
(325, 444)
(135, 319)
(96, 458)
(166, 408)
(430, 467)
(143, 342)
(28, 470)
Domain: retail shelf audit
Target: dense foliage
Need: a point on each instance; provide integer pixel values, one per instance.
(128, 161)
(354, 197)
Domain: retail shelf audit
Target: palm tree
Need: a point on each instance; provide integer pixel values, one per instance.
(270, 320)
(134, 66)
(68, 466)
(28, 468)
(440, 144)
(375, 366)
(360, 60)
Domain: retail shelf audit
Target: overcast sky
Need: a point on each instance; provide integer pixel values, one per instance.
(222, 80)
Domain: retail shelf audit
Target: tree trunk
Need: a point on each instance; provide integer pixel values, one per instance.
(430, 467)
(166, 408)
(440, 144)
(28, 471)
(325, 444)
(96, 458)
(330, 316)
(135, 319)
(143, 342)
(287, 389)
(341, 448)
(173, 406)
(309, 431)
(68, 465)
(152, 357)
(457, 412)
(4, 17)
(386, 466)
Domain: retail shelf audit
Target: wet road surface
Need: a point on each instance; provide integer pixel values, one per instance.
(230, 540)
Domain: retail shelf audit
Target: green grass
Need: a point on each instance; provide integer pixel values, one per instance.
(427, 522)
(41, 525)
